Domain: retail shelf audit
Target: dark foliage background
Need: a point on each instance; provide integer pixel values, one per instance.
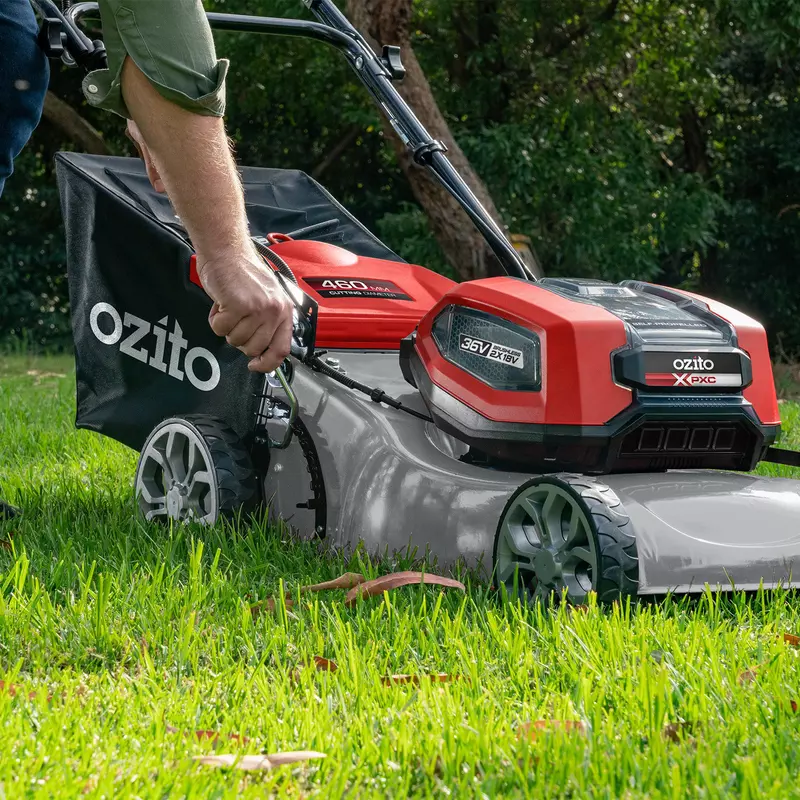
(648, 139)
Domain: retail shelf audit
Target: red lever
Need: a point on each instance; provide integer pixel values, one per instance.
(277, 238)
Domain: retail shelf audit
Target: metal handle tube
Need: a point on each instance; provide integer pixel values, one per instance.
(77, 42)
(336, 30)
(427, 151)
(239, 22)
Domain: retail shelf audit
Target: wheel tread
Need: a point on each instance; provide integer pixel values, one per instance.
(236, 479)
(238, 486)
(615, 538)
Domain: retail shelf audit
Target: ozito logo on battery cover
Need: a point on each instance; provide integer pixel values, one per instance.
(692, 370)
(695, 364)
(153, 344)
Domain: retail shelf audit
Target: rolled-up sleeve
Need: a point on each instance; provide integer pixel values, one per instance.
(171, 43)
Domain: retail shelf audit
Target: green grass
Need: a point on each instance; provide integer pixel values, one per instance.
(130, 629)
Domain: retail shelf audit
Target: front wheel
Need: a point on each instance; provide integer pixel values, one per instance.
(564, 536)
(194, 468)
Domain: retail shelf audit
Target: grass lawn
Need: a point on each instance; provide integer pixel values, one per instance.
(119, 641)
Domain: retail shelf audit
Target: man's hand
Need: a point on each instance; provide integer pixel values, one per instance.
(250, 310)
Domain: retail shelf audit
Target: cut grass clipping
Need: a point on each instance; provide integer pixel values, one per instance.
(129, 652)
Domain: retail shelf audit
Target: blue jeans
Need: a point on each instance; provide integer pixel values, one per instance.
(24, 75)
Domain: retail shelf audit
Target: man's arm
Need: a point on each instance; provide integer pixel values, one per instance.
(193, 160)
(163, 73)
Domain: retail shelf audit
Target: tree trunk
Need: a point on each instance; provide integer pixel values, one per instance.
(695, 151)
(388, 22)
(694, 142)
(73, 125)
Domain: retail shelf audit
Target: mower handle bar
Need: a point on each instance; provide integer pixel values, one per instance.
(336, 30)
(77, 47)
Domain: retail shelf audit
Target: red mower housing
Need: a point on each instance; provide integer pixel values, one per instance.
(561, 374)
(595, 377)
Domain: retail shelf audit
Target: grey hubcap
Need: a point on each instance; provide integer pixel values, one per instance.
(545, 545)
(176, 478)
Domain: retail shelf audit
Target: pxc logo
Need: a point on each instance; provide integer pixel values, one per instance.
(696, 364)
(693, 379)
(161, 349)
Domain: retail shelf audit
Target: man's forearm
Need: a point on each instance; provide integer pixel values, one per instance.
(194, 161)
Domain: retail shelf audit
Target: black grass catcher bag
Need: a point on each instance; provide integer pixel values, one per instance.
(144, 350)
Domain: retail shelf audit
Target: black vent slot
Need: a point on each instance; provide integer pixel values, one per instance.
(685, 439)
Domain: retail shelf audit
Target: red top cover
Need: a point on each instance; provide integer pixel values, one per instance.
(753, 340)
(364, 303)
(577, 342)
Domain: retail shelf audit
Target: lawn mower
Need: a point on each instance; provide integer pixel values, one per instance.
(568, 435)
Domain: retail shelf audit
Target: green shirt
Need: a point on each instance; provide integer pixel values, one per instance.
(171, 43)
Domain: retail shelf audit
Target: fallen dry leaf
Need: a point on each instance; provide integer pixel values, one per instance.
(295, 676)
(259, 762)
(13, 690)
(325, 664)
(436, 677)
(749, 675)
(270, 604)
(346, 581)
(679, 731)
(532, 729)
(214, 736)
(321, 665)
(397, 579)
(791, 639)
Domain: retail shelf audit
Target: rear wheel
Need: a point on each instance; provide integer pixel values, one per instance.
(194, 468)
(563, 536)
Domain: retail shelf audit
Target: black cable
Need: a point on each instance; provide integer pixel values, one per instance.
(276, 261)
(376, 395)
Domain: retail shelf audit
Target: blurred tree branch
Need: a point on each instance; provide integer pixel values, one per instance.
(74, 126)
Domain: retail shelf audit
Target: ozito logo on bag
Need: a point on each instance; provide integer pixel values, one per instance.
(494, 352)
(155, 345)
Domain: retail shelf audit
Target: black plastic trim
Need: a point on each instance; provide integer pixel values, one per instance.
(596, 448)
(688, 304)
(630, 365)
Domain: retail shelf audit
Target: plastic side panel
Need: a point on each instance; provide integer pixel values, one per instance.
(390, 480)
(364, 302)
(715, 528)
(753, 340)
(577, 342)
